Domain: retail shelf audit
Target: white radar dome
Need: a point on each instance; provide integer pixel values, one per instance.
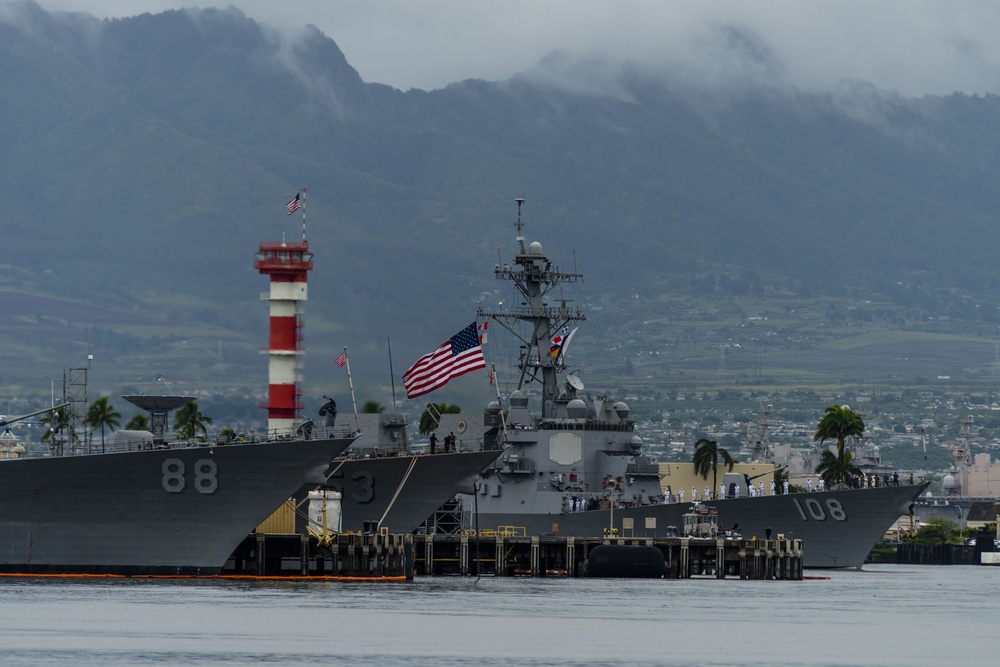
(518, 399)
(576, 409)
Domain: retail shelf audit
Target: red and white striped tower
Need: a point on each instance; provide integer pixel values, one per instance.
(288, 265)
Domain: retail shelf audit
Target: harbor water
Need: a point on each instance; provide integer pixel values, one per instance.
(882, 615)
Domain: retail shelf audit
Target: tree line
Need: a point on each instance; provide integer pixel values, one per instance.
(839, 422)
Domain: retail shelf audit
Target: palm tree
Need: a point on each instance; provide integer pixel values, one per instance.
(780, 475)
(839, 423)
(429, 417)
(189, 422)
(102, 413)
(706, 459)
(829, 466)
(56, 421)
(138, 423)
(372, 407)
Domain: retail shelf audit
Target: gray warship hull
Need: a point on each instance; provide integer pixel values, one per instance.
(169, 511)
(400, 492)
(838, 528)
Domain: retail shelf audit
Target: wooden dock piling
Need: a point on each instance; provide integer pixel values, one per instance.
(517, 555)
(374, 556)
(382, 556)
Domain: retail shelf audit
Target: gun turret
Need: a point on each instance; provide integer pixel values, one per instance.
(762, 474)
(11, 420)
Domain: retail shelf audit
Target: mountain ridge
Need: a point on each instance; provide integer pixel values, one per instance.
(159, 149)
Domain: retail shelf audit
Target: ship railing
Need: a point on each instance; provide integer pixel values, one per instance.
(642, 470)
(513, 463)
(280, 435)
(463, 445)
(471, 445)
(504, 531)
(588, 425)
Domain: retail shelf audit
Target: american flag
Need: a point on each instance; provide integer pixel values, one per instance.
(294, 204)
(342, 359)
(456, 356)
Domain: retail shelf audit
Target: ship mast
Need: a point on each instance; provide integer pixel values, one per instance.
(760, 444)
(534, 276)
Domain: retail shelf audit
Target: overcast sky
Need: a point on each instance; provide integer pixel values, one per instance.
(910, 46)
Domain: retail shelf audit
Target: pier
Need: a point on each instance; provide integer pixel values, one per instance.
(512, 555)
(401, 557)
(377, 556)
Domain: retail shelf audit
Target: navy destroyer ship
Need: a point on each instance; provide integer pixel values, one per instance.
(145, 506)
(385, 484)
(575, 465)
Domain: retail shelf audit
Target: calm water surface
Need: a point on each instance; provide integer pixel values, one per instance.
(884, 615)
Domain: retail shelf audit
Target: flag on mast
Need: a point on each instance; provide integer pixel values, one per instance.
(561, 344)
(294, 204)
(557, 342)
(456, 356)
(342, 359)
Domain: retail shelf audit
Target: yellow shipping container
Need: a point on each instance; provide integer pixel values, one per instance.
(282, 522)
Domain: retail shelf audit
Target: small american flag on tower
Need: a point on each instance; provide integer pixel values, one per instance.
(342, 359)
(294, 204)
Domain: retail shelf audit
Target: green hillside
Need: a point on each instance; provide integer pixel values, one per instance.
(143, 159)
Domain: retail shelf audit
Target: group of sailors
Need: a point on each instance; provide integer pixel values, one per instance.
(584, 504)
(820, 485)
(872, 481)
(733, 491)
(581, 504)
(862, 481)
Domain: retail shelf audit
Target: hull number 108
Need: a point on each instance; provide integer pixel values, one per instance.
(811, 509)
